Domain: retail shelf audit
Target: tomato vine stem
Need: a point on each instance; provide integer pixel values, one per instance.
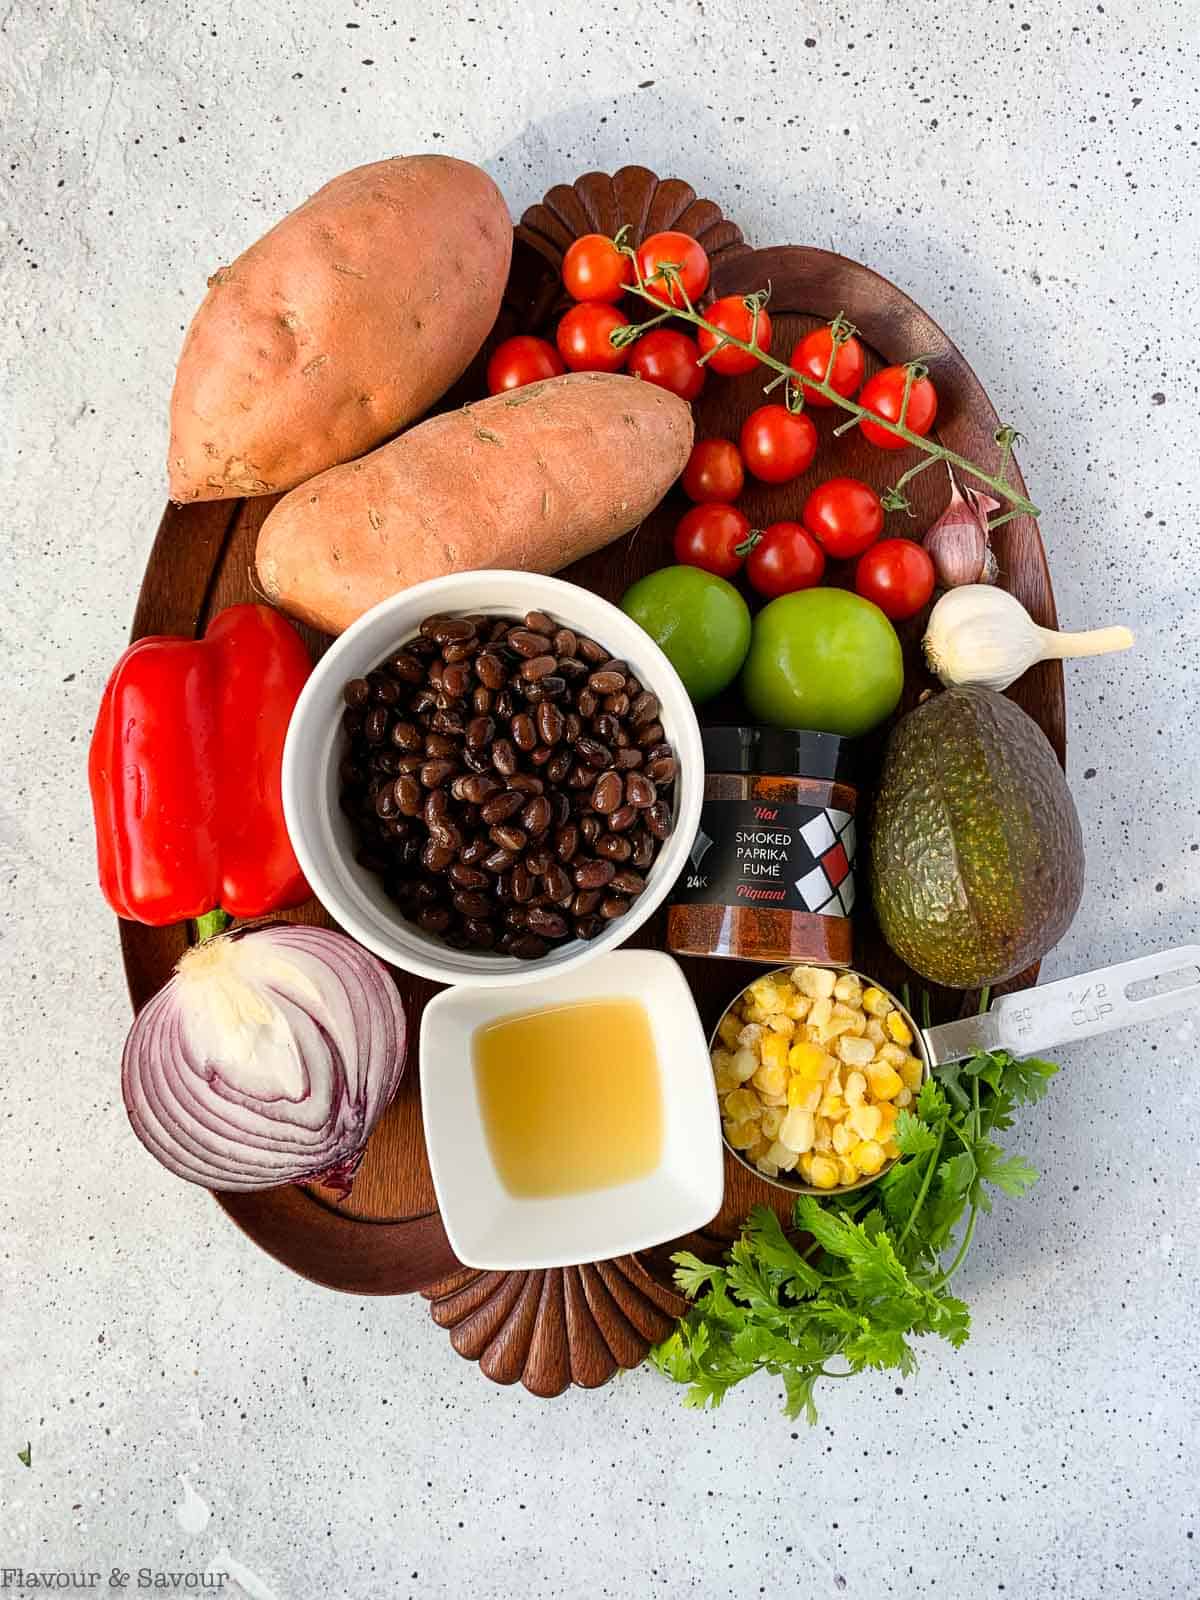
(670, 276)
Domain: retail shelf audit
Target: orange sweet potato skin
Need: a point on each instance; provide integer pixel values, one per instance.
(342, 324)
(534, 479)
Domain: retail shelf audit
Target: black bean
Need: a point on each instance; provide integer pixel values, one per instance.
(505, 704)
(658, 819)
(475, 852)
(525, 643)
(480, 787)
(550, 723)
(375, 726)
(540, 755)
(590, 827)
(460, 650)
(408, 794)
(591, 651)
(499, 861)
(470, 903)
(643, 849)
(535, 818)
(587, 704)
(628, 883)
(539, 622)
(435, 773)
(443, 629)
(434, 919)
(594, 753)
(490, 670)
(585, 901)
(624, 760)
(551, 687)
(502, 806)
(566, 842)
(639, 791)
(478, 760)
(580, 777)
(456, 679)
(644, 709)
(588, 927)
(524, 733)
(516, 917)
(435, 807)
(606, 796)
(436, 857)
(649, 733)
(592, 874)
(438, 744)
(538, 667)
(561, 807)
(504, 758)
(539, 861)
(612, 906)
(481, 699)
(570, 669)
(606, 727)
(478, 931)
(558, 885)
(508, 837)
(606, 681)
(406, 667)
(406, 736)
(565, 642)
(385, 803)
(480, 732)
(528, 947)
(614, 847)
(463, 876)
(521, 883)
(446, 722)
(559, 764)
(617, 705)
(663, 769)
(550, 924)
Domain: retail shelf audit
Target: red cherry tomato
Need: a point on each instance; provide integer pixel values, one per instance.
(714, 472)
(845, 515)
(681, 251)
(811, 356)
(897, 575)
(670, 360)
(709, 537)
(594, 269)
(777, 444)
(732, 315)
(583, 337)
(785, 559)
(522, 360)
(884, 394)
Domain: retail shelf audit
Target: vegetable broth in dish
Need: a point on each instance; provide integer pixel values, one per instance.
(570, 1097)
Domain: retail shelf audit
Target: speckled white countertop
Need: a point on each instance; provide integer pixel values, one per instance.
(1027, 173)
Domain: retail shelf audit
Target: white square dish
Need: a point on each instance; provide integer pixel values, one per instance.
(491, 1228)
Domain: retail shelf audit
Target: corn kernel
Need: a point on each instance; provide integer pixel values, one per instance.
(864, 1121)
(750, 1035)
(771, 1100)
(745, 1064)
(869, 1157)
(874, 1031)
(834, 1029)
(779, 1023)
(767, 1168)
(856, 1052)
(856, 1088)
(771, 1080)
(876, 1002)
(819, 1012)
(753, 1012)
(772, 1120)
(847, 1171)
(904, 1098)
(893, 1054)
(816, 982)
(763, 992)
(887, 1118)
(896, 1028)
(783, 1158)
(810, 1059)
(824, 1173)
(757, 1149)
(798, 1130)
(885, 1081)
(796, 1006)
(891, 1149)
(742, 1106)
(726, 1077)
(831, 1105)
(773, 1050)
(804, 1166)
(910, 1071)
(858, 1026)
(741, 1135)
(803, 1092)
(848, 988)
(729, 1028)
(843, 1139)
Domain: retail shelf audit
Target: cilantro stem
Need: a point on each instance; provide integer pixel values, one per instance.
(924, 1189)
(961, 1256)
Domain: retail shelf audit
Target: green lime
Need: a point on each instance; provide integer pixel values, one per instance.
(700, 622)
(823, 659)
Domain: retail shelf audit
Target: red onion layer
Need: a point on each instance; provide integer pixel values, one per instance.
(266, 1059)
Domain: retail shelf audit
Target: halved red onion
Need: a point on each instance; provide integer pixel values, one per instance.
(266, 1059)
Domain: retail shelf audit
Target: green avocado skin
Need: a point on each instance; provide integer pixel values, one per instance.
(977, 853)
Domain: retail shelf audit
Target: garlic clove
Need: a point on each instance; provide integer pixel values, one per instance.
(957, 543)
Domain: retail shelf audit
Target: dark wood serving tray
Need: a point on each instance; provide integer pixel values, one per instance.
(580, 1324)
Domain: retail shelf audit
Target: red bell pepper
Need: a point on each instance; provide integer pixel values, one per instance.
(184, 769)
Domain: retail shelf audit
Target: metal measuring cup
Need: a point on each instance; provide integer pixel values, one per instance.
(1034, 1019)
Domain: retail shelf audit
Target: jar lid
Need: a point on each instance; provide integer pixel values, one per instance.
(778, 752)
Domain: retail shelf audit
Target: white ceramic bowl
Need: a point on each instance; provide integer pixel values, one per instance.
(321, 834)
(490, 1228)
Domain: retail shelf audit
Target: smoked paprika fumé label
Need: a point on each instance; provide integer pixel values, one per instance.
(785, 857)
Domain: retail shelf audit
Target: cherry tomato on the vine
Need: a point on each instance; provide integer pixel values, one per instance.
(594, 269)
(811, 356)
(669, 359)
(522, 360)
(686, 255)
(777, 444)
(710, 536)
(583, 337)
(786, 558)
(884, 394)
(714, 472)
(898, 575)
(845, 514)
(732, 315)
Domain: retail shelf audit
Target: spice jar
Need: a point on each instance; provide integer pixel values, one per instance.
(771, 874)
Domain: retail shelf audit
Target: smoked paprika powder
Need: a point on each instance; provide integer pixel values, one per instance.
(771, 874)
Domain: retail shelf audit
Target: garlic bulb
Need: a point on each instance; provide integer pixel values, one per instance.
(984, 636)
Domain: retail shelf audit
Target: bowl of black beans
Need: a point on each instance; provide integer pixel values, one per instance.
(492, 775)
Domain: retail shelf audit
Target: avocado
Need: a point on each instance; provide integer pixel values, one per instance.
(977, 853)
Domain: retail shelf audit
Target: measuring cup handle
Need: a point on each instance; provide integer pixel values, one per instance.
(1099, 1002)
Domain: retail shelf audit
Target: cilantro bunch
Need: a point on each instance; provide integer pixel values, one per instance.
(868, 1277)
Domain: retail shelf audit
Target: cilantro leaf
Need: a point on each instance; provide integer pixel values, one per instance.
(25, 1457)
(692, 1274)
(1011, 1174)
(914, 1136)
(932, 1105)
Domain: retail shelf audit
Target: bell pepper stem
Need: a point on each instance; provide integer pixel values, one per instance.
(211, 924)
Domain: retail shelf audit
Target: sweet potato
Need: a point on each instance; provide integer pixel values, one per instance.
(346, 321)
(533, 478)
